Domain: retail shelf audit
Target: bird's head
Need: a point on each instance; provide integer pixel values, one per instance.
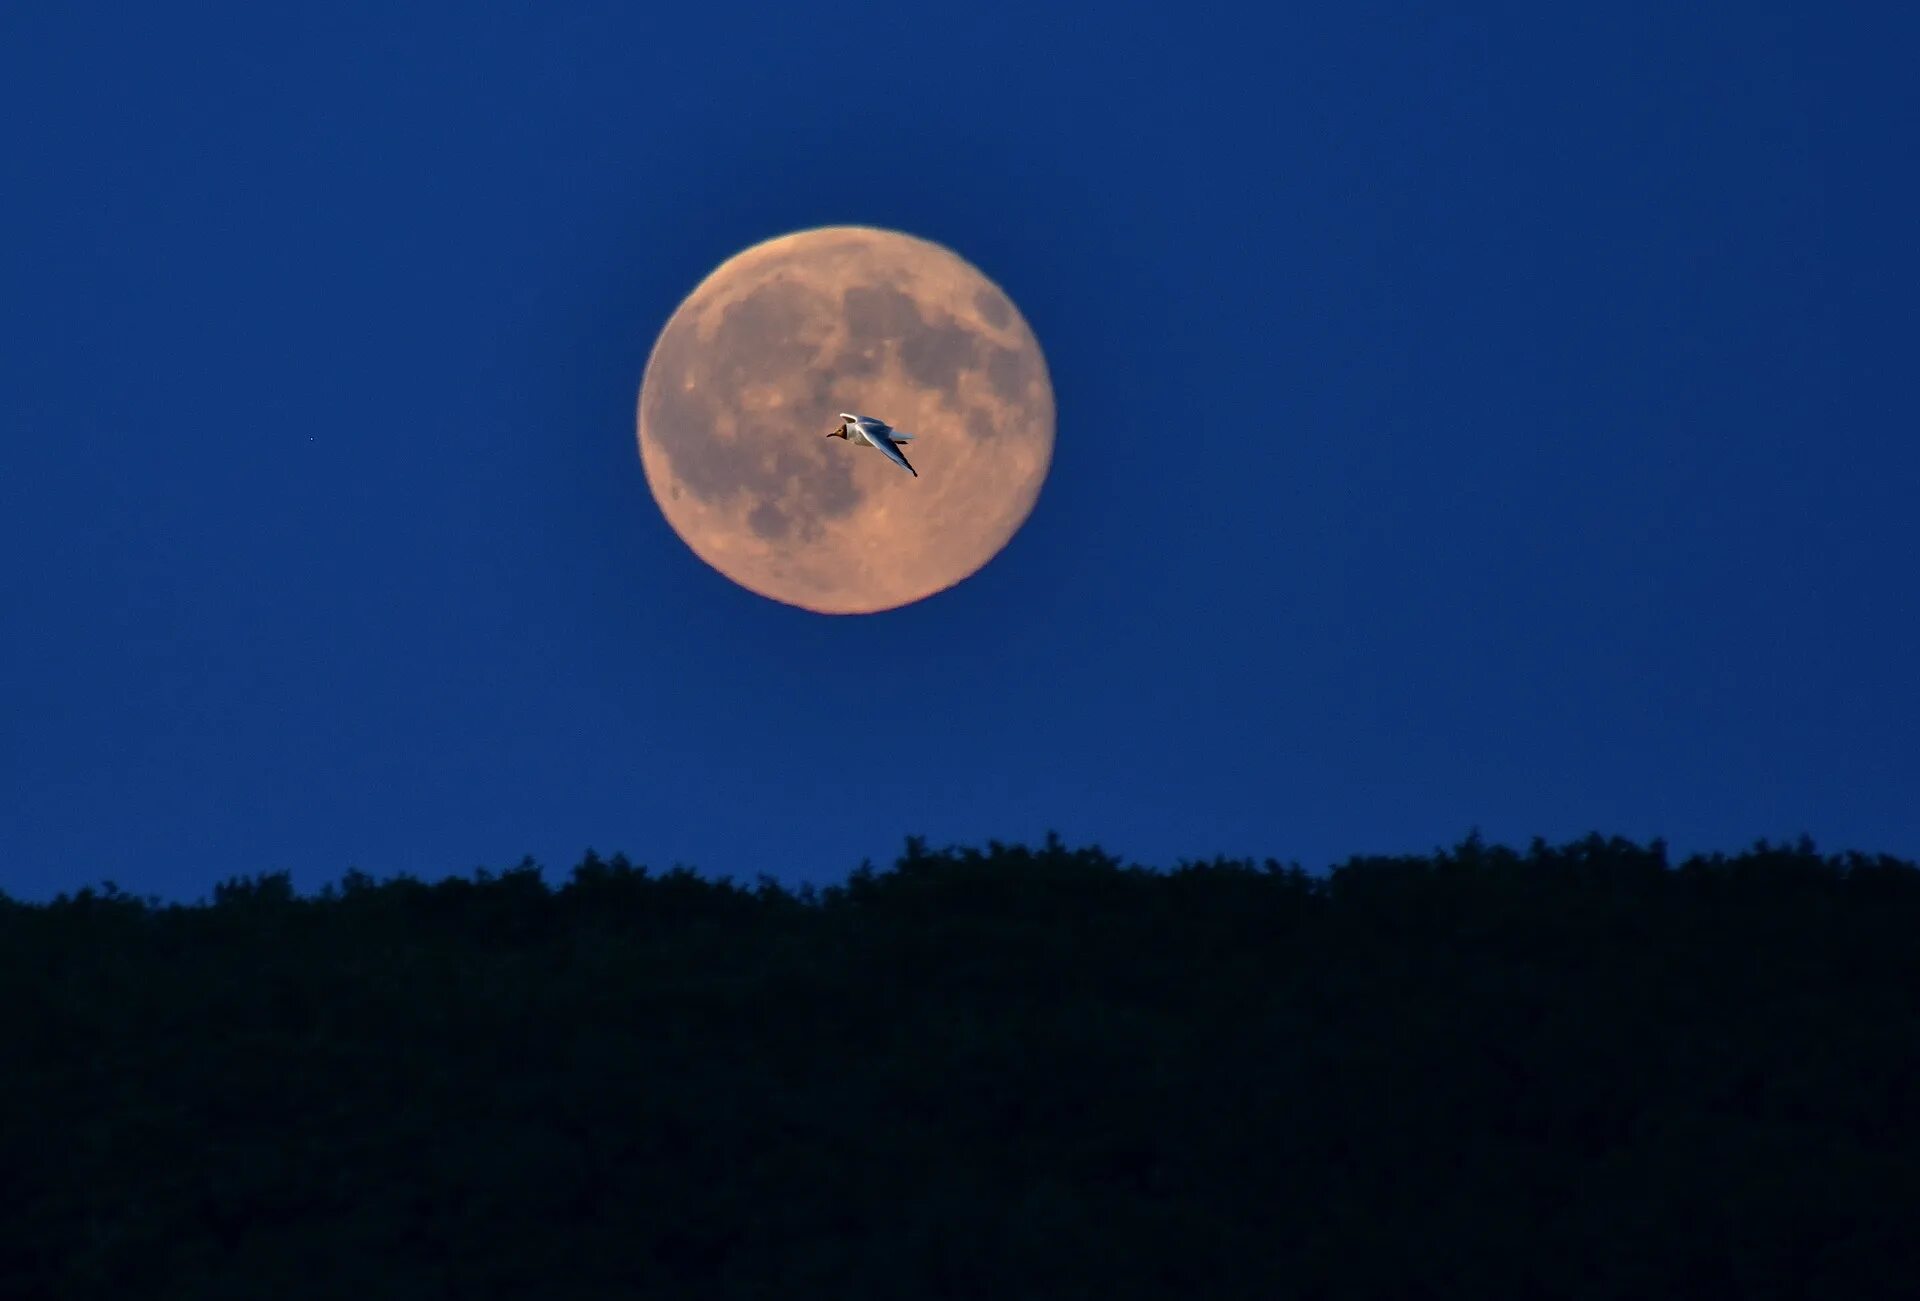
(841, 430)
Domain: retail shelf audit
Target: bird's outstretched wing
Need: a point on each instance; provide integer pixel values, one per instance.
(893, 453)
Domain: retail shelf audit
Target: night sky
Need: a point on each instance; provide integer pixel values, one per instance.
(1498, 418)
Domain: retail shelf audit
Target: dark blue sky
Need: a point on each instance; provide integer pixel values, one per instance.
(1500, 418)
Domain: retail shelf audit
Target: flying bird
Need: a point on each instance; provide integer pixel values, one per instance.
(875, 433)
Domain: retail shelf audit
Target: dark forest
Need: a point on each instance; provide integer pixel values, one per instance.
(1576, 1071)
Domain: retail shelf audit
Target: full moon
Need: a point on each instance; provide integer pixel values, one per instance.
(749, 377)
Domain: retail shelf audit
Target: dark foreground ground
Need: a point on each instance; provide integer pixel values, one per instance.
(1572, 1072)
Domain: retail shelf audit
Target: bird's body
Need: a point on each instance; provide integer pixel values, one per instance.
(875, 433)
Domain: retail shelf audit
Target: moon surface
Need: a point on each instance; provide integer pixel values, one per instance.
(751, 372)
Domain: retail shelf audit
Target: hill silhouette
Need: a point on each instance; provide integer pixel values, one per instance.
(1565, 1072)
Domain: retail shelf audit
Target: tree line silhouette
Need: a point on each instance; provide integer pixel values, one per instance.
(1574, 1071)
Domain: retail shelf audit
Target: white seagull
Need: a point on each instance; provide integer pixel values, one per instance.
(875, 433)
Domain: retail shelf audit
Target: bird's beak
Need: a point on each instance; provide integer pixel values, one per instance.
(838, 430)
